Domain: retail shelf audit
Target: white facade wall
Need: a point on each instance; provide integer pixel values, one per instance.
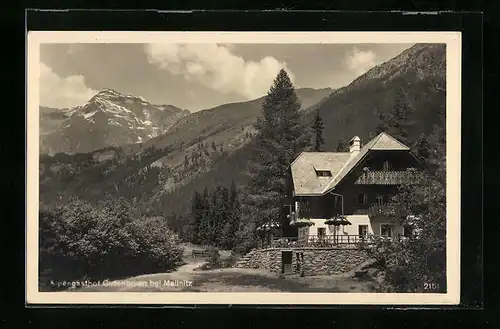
(373, 226)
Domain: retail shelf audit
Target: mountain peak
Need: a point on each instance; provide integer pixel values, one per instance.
(112, 92)
(421, 59)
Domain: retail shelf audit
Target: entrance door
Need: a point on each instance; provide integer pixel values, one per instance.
(286, 262)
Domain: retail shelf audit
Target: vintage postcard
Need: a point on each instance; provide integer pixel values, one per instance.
(243, 168)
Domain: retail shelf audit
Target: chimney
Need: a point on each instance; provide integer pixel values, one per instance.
(354, 146)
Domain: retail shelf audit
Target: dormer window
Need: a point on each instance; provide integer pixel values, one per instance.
(323, 173)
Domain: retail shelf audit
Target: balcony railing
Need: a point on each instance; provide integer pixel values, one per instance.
(383, 210)
(385, 177)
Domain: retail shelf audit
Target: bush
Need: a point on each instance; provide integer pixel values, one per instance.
(214, 258)
(410, 264)
(79, 241)
(213, 261)
(231, 260)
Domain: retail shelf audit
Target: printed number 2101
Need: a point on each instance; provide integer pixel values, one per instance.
(431, 286)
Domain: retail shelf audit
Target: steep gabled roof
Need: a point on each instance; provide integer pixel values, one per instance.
(385, 141)
(340, 164)
(382, 141)
(303, 169)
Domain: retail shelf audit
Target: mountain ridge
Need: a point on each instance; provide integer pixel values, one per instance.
(352, 110)
(212, 147)
(109, 118)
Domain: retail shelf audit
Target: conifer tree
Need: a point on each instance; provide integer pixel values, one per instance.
(384, 121)
(204, 226)
(318, 127)
(399, 121)
(342, 145)
(281, 136)
(233, 218)
(196, 218)
(422, 148)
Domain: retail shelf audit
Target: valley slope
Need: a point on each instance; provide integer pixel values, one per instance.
(213, 146)
(419, 72)
(191, 146)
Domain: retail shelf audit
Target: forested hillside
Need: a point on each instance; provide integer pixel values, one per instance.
(212, 147)
(418, 81)
(145, 172)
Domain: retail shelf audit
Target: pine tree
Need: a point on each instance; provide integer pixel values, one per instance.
(399, 121)
(281, 136)
(318, 127)
(422, 148)
(232, 219)
(437, 152)
(342, 145)
(196, 217)
(204, 228)
(384, 121)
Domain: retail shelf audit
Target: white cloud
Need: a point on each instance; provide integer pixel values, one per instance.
(215, 66)
(59, 92)
(360, 61)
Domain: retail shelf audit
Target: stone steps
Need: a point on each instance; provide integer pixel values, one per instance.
(245, 259)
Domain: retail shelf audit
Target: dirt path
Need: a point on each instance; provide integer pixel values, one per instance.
(188, 278)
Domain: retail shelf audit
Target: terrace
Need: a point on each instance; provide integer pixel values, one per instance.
(326, 241)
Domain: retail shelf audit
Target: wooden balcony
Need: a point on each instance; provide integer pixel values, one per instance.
(382, 210)
(385, 177)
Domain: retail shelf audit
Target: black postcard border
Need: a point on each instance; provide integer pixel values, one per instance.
(470, 24)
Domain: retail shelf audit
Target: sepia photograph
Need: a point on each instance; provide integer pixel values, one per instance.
(194, 168)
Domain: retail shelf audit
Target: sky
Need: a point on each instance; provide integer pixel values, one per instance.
(198, 76)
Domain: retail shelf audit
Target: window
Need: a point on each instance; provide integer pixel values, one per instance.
(387, 230)
(380, 199)
(321, 232)
(362, 230)
(323, 173)
(407, 231)
(386, 166)
(304, 208)
(362, 198)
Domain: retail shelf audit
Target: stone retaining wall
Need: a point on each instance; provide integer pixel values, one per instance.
(315, 261)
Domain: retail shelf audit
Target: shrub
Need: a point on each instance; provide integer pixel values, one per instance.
(231, 260)
(79, 241)
(421, 258)
(214, 258)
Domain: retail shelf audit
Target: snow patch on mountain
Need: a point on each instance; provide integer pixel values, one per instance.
(88, 115)
(131, 118)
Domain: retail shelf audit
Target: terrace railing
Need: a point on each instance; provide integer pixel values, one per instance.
(327, 241)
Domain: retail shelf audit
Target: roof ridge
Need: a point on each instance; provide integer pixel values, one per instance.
(394, 139)
(334, 177)
(364, 149)
(325, 152)
(296, 159)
